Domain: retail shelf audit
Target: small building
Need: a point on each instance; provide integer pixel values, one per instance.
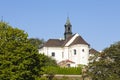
(71, 51)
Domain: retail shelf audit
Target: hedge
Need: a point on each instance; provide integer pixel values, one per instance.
(62, 70)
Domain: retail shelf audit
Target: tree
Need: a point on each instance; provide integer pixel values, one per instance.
(19, 60)
(107, 67)
(50, 62)
(36, 42)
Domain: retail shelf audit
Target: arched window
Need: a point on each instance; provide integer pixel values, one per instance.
(68, 28)
(83, 50)
(75, 52)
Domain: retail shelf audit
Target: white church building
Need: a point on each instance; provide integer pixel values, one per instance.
(71, 51)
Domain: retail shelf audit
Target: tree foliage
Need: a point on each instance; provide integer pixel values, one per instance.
(19, 60)
(36, 42)
(107, 68)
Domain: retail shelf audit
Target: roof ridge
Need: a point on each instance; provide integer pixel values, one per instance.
(71, 39)
(79, 40)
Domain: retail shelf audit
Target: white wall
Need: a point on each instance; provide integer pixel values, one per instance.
(80, 57)
(58, 53)
(64, 53)
(65, 50)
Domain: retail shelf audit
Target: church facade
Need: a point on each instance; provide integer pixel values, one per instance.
(71, 51)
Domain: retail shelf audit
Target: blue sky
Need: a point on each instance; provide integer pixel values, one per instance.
(97, 21)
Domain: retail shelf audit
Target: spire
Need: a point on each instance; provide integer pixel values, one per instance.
(68, 29)
(67, 21)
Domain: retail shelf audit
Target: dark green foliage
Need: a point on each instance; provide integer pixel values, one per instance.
(107, 68)
(36, 42)
(50, 62)
(19, 60)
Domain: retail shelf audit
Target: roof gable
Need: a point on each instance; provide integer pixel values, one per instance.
(71, 40)
(79, 40)
(65, 41)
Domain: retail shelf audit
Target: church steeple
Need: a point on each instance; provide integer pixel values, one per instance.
(68, 29)
(68, 21)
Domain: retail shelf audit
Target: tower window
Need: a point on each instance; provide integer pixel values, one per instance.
(68, 28)
(53, 54)
(75, 52)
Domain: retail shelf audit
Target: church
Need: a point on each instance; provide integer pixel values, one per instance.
(71, 51)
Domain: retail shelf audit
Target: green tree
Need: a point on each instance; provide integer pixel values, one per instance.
(36, 42)
(19, 60)
(50, 62)
(107, 67)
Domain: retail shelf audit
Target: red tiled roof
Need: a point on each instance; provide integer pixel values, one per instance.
(70, 61)
(66, 61)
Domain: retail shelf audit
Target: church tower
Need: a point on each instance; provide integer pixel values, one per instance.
(68, 29)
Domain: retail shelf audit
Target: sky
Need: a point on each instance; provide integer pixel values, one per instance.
(97, 21)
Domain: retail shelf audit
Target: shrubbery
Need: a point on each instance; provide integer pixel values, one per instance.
(65, 71)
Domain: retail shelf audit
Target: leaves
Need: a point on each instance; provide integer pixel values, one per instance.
(107, 68)
(19, 59)
(36, 42)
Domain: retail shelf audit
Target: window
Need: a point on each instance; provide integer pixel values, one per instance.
(68, 28)
(53, 54)
(83, 50)
(75, 52)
